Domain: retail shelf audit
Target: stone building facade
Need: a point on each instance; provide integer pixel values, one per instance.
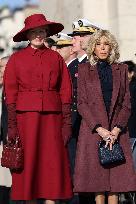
(119, 16)
(12, 21)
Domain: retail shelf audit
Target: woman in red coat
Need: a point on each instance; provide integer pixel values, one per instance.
(104, 104)
(38, 96)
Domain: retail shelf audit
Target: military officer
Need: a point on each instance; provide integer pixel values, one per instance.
(65, 48)
(81, 54)
(82, 31)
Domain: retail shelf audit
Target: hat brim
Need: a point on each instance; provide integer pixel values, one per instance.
(63, 45)
(76, 33)
(54, 28)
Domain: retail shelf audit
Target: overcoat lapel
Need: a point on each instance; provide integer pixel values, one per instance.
(97, 90)
(116, 86)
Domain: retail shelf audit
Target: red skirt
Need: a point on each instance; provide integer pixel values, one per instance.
(46, 171)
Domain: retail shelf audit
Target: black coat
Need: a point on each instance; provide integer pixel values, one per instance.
(76, 118)
(73, 68)
(132, 119)
(4, 122)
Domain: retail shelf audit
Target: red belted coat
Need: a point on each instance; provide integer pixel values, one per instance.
(38, 82)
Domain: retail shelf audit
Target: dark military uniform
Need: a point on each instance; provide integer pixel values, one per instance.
(84, 60)
(76, 118)
(73, 69)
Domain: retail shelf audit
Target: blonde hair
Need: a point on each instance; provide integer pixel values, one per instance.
(114, 48)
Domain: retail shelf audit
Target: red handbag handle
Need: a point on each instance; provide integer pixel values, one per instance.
(16, 143)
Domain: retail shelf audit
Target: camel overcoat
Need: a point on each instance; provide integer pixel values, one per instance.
(90, 176)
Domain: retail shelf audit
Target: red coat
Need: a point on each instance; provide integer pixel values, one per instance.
(34, 85)
(90, 176)
(38, 82)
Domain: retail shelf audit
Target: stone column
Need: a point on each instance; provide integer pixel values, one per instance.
(64, 11)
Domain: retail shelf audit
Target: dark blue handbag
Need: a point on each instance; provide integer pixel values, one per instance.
(107, 156)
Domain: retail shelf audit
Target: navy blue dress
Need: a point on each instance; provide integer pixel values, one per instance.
(105, 76)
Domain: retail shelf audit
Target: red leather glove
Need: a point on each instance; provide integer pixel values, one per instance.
(67, 123)
(12, 122)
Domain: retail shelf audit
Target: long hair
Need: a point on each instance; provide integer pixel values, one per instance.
(114, 48)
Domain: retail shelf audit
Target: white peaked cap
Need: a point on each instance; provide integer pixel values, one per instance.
(63, 36)
(86, 23)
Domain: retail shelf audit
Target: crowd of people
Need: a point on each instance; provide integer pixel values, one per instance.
(61, 98)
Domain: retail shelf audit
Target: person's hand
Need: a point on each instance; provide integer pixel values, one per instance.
(106, 136)
(115, 132)
(113, 137)
(110, 142)
(104, 133)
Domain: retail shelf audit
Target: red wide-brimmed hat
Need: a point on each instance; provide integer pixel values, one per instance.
(34, 21)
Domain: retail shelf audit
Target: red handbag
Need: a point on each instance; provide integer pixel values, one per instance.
(13, 155)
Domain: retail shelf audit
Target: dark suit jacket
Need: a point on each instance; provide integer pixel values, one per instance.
(76, 118)
(132, 119)
(4, 122)
(84, 60)
(73, 69)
